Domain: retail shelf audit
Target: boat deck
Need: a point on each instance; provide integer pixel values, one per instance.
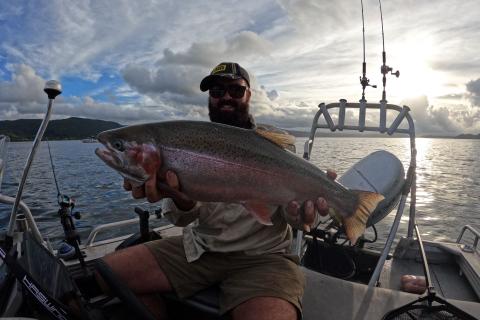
(450, 276)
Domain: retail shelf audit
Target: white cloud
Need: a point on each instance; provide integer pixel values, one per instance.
(473, 92)
(176, 76)
(25, 86)
(299, 52)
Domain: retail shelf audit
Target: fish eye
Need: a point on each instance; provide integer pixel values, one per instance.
(118, 144)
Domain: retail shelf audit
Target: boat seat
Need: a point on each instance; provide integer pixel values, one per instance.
(381, 172)
(206, 301)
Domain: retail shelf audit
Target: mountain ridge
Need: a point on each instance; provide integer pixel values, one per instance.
(75, 128)
(72, 128)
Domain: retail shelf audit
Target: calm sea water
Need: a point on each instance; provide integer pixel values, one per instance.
(448, 182)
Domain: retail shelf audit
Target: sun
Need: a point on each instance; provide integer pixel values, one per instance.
(417, 75)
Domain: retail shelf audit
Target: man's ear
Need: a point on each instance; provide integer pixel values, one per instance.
(249, 94)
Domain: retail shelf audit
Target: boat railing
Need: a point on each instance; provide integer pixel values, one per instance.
(475, 232)
(30, 221)
(394, 127)
(90, 242)
(107, 226)
(3, 155)
(4, 140)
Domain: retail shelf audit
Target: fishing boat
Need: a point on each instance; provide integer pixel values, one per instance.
(342, 281)
(89, 140)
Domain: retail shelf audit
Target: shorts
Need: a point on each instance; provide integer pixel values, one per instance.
(240, 277)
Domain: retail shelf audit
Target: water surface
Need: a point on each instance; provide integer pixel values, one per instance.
(448, 177)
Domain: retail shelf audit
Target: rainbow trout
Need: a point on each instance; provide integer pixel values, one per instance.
(220, 163)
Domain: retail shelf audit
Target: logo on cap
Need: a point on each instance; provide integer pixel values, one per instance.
(219, 68)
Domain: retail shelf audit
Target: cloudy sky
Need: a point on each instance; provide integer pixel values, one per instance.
(134, 61)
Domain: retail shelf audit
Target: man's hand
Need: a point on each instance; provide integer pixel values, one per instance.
(305, 214)
(157, 188)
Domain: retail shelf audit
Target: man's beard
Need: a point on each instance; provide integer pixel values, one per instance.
(239, 117)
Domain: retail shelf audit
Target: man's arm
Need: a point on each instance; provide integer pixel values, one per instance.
(179, 217)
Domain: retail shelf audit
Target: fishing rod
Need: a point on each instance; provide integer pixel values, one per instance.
(384, 68)
(364, 81)
(53, 168)
(70, 249)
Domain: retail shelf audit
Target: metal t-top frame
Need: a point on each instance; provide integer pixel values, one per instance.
(410, 183)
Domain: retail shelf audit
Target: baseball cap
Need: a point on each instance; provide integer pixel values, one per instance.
(229, 70)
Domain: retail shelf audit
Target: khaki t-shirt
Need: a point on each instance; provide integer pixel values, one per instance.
(228, 227)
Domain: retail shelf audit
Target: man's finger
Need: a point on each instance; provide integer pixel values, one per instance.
(308, 213)
(138, 192)
(322, 206)
(127, 185)
(292, 208)
(151, 189)
(331, 174)
(172, 180)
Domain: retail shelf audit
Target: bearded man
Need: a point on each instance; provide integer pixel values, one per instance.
(222, 244)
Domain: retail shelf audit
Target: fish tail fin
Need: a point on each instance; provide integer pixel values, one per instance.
(355, 225)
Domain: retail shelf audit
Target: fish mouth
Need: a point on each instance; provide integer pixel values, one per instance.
(117, 160)
(110, 156)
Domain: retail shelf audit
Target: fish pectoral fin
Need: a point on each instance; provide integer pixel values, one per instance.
(260, 211)
(278, 136)
(355, 224)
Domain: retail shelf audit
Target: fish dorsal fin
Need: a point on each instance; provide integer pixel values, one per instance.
(278, 136)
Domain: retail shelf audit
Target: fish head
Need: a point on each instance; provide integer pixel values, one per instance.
(131, 153)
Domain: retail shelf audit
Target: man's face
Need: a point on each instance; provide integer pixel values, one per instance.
(227, 104)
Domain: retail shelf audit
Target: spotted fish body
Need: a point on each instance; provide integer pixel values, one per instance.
(220, 163)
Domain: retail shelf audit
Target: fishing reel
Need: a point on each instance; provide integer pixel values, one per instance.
(384, 69)
(70, 248)
(365, 82)
(66, 203)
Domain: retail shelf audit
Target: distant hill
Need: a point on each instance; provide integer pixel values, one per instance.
(340, 134)
(324, 133)
(468, 136)
(65, 129)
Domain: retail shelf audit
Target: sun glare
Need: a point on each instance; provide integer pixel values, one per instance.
(417, 77)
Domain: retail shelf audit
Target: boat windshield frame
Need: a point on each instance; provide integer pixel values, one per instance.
(403, 113)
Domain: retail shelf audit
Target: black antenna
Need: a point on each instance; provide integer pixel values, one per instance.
(364, 81)
(384, 68)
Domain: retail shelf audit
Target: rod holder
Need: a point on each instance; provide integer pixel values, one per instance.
(383, 116)
(361, 116)
(401, 115)
(341, 114)
(328, 118)
(306, 149)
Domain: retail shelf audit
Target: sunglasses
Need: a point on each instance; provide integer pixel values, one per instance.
(235, 91)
